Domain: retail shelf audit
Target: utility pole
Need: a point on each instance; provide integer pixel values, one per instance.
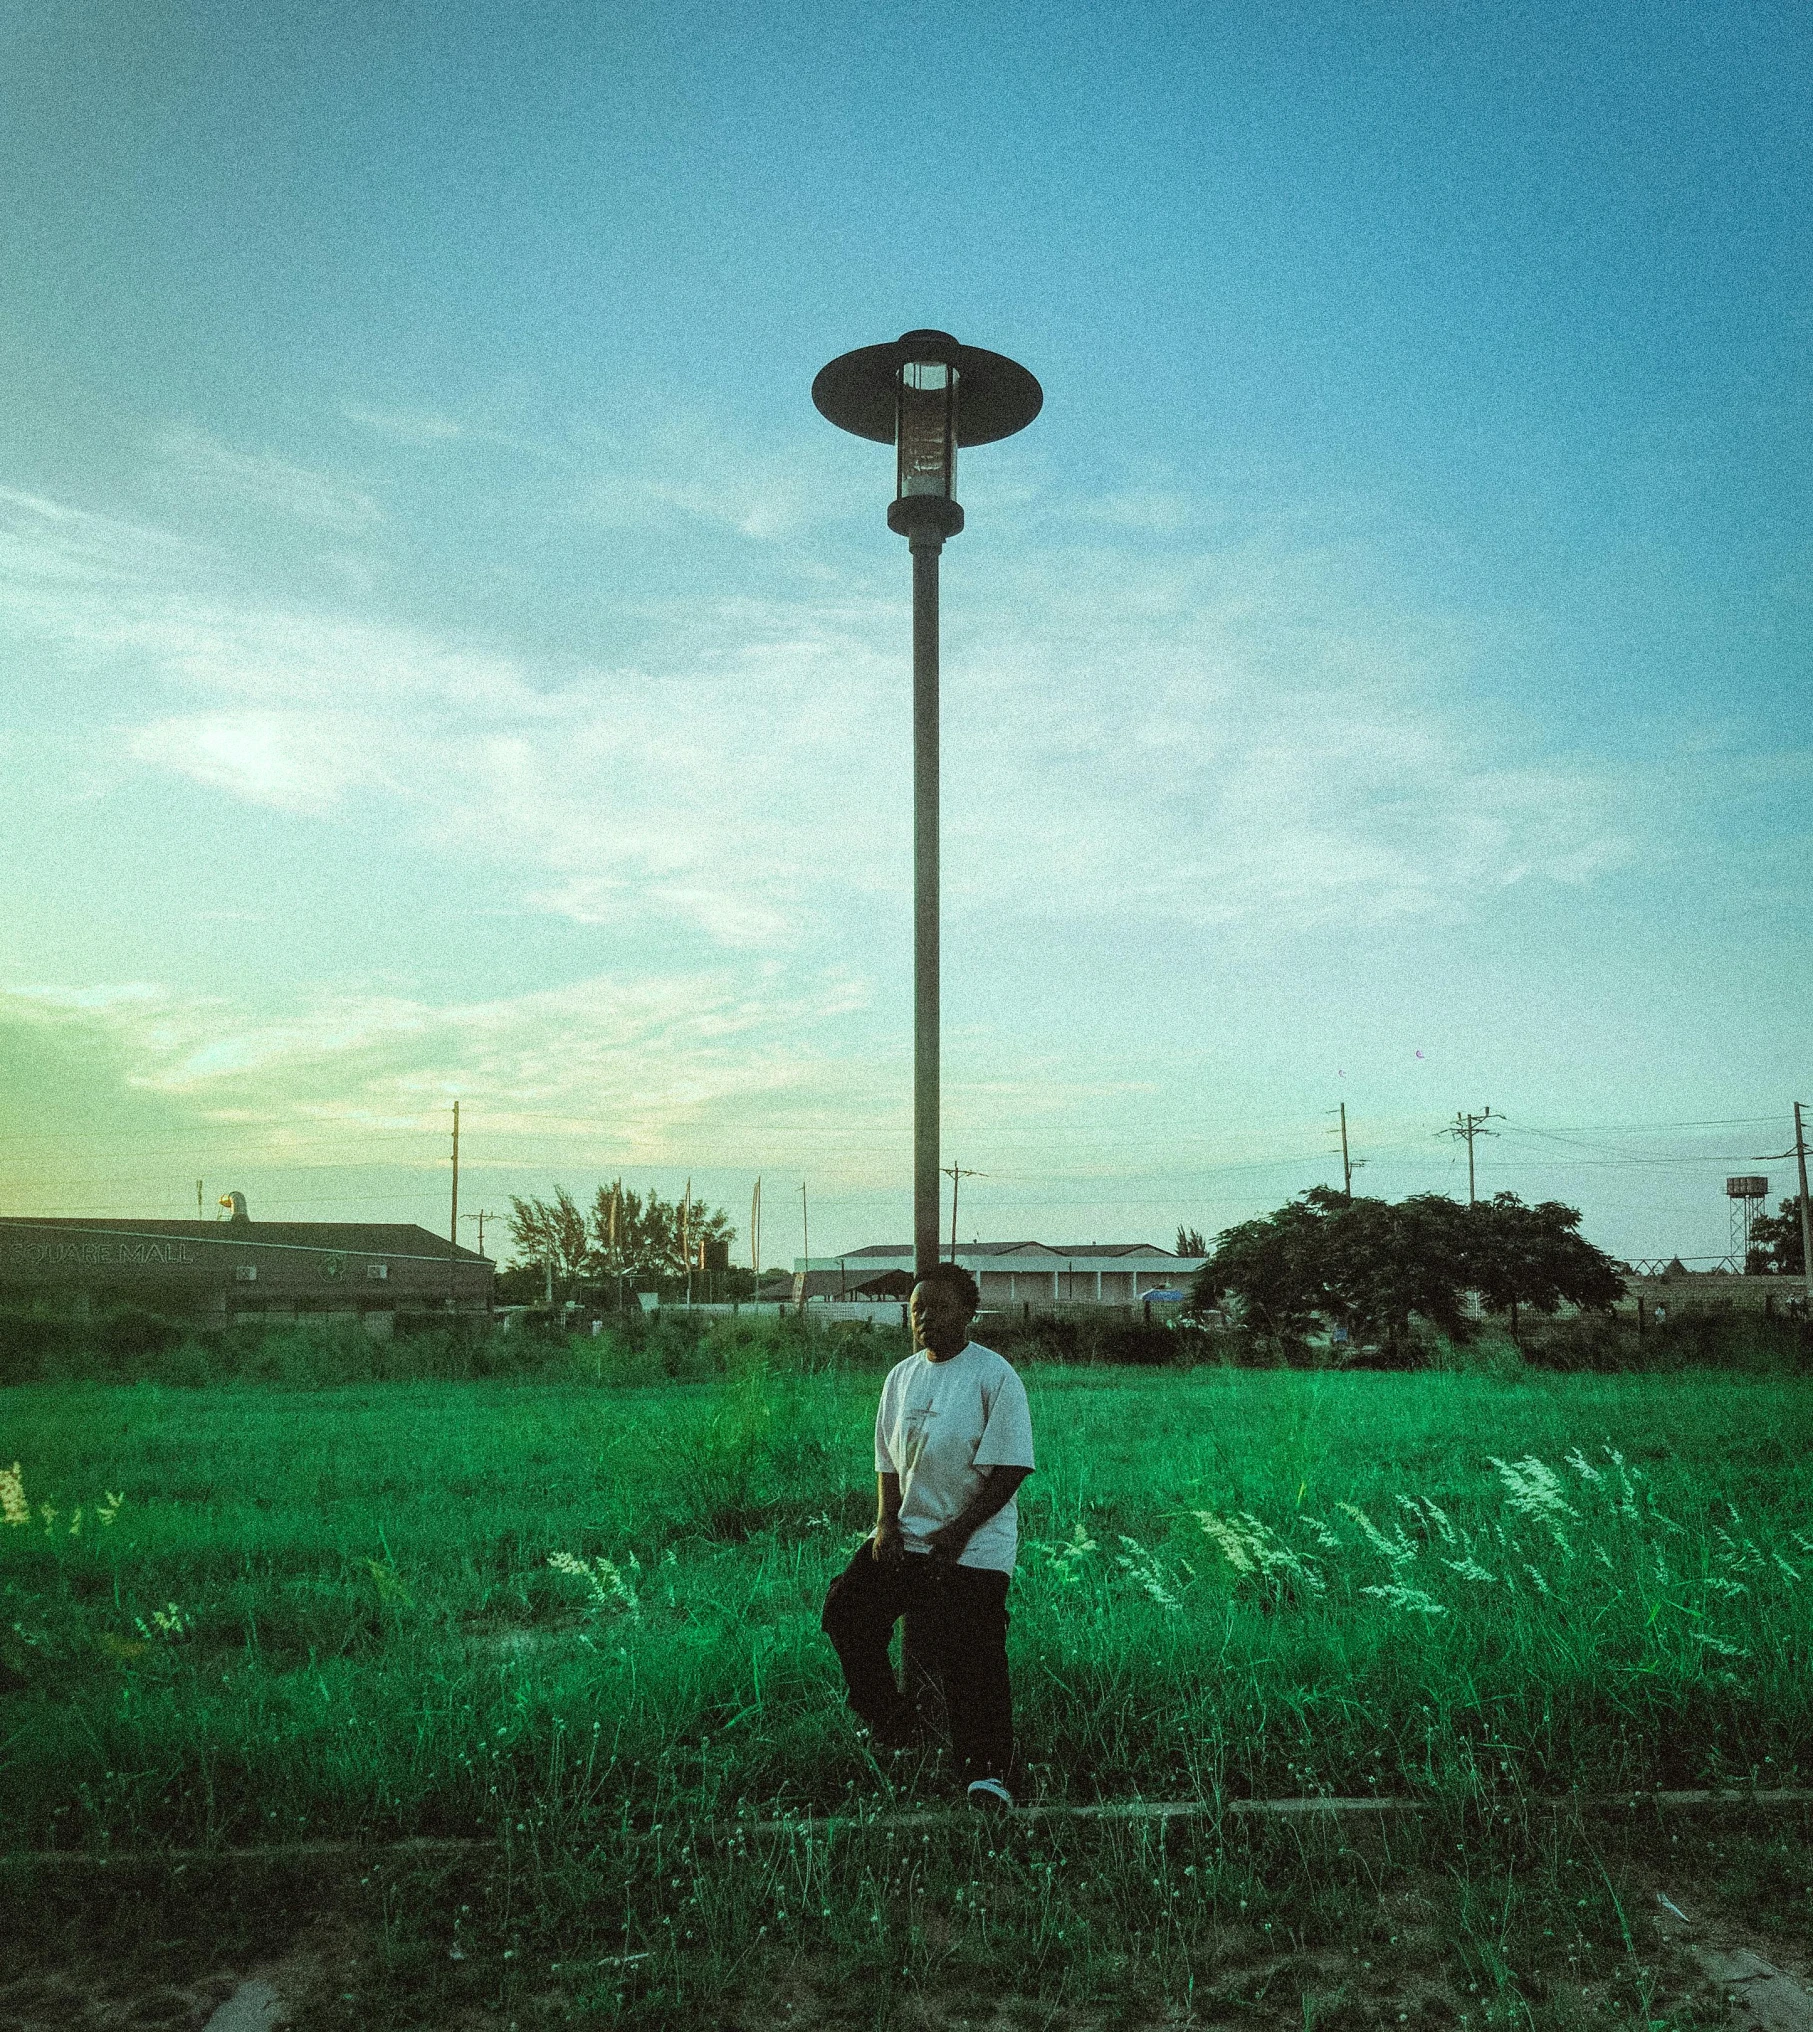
(1346, 1161)
(686, 1238)
(1799, 1154)
(485, 1214)
(956, 1174)
(1806, 1242)
(453, 1226)
(199, 1215)
(755, 1230)
(805, 1281)
(1467, 1127)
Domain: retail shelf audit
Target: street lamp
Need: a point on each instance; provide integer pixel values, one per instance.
(926, 395)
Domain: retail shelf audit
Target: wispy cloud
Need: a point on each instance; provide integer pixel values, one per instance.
(286, 761)
(686, 468)
(625, 1068)
(258, 480)
(413, 427)
(1220, 733)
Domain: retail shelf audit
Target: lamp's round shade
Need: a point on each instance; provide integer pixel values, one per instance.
(995, 395)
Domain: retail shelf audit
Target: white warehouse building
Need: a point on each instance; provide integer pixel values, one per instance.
(1007, 1273)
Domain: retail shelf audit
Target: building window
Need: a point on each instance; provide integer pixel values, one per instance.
(378, 1272)
(245, 1273)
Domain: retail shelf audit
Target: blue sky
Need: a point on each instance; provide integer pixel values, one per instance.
(444, 654)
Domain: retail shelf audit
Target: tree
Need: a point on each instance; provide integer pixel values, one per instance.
(1384, 1262)
(627, 1236)
(647, 1239)
(1191, 1243)
(1531, 1255)
(1364, 1264)
(1271, 1265)
(1775, 1243)
(551, 1235)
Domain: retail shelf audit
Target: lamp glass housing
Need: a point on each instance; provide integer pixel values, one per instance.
(925, 431)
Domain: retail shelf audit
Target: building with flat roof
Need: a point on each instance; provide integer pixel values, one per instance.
(1008, 1273)
(234, 1270)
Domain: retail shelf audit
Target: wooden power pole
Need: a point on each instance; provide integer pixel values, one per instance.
(956, 1174)
(453, 1227)
(1467, 1127)
(1806, 1241)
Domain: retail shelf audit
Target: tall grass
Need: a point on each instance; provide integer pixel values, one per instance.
(398, 1609)
(582, 1621)
(134, 1346)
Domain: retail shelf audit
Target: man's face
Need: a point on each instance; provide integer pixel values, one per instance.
(940, 1319)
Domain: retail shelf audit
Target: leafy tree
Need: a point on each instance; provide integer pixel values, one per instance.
(639, 1238)
(1271, 1266)
(551, 1235)
(1191, 1243)
(1383, 1262)
(1775, 1243)
(647, 1238)
(1531, 1255)
(1365, 1264)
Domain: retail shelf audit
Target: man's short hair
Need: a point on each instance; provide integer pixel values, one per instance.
(958, 1280)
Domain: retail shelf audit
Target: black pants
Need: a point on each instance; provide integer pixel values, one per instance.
(955, 1638)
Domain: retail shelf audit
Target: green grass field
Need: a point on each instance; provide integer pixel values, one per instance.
(582, 1622)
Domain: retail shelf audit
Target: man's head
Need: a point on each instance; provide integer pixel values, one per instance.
(943, 1303)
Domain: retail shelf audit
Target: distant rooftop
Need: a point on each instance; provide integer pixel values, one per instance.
(1074, 1251)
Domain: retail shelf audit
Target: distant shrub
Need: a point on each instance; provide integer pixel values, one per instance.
(1041, 1339)
(1150, 1347)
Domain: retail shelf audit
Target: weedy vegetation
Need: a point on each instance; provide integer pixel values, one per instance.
(574, 1620)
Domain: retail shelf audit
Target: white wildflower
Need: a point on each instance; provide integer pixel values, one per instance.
(1719, 1645)
(1398, 1596)
(1400, 1554)
(603, 1582)
(1271, 1552)
(1628, 1507)
(1533, 1488)
(1229, 1538)
(13, 1506)
(1324, 1536)
(1584, 1468)
(1470, 1569)
(1143, 1566)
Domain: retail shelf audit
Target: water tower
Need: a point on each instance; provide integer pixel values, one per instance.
(1745, 1194)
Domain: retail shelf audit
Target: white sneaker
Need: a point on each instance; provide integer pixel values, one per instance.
(990, 1795)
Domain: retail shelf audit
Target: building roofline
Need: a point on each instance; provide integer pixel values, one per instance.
(245, 1234)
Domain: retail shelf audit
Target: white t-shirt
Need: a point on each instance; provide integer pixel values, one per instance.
(939, 1425)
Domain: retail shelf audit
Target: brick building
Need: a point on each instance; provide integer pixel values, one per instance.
(239, 1269)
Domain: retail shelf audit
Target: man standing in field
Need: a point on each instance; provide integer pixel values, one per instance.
(953, 1442)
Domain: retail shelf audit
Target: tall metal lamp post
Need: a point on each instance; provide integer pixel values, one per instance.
(925, 395)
